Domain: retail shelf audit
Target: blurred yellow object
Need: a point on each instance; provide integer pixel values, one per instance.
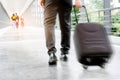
(13, 17)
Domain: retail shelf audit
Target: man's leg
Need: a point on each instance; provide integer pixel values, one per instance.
(65, 26)
(50, 12)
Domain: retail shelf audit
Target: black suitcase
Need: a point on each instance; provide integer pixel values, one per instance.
(92, 44)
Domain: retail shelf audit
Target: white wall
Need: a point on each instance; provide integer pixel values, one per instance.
(4, 17)
(115, 3)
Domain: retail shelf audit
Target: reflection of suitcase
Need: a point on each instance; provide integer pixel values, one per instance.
(92, 44)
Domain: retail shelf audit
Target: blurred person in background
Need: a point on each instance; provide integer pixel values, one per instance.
(13, 18)
(22, 22)
(17, 20)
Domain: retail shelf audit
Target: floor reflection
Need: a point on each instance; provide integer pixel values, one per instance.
(23, 56)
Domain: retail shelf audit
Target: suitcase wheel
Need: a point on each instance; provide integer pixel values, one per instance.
(85, 67)
(102, 65)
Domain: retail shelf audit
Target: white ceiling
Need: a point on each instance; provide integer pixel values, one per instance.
(18, 6)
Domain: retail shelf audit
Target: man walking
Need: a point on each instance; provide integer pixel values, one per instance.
(51, 9)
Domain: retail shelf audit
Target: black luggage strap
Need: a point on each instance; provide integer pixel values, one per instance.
(76, 14)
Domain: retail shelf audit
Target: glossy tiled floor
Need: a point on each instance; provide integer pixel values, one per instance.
(23, 57)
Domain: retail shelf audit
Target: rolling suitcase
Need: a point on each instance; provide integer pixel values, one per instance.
(91, 43)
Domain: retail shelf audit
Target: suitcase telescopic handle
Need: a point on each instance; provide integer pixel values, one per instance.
(85, 13)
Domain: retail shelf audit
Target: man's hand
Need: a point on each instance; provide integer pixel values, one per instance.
(42, 2)
(78, 4)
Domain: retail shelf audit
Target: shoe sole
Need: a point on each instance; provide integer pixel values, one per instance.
(53, 63)
(64, 58)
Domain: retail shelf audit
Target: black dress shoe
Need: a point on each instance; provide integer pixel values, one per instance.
(52, 59)
(64, 57)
